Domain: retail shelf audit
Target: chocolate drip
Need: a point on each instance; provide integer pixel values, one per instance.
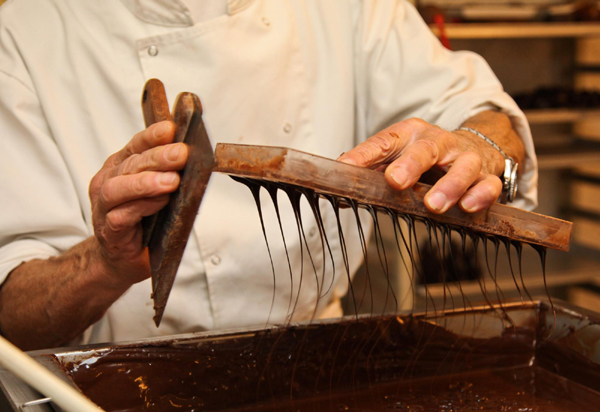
(254, 187)
(273, 191)
(542, 252)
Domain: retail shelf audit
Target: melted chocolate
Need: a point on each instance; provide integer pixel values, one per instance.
(438, 247)
(379, 364)
(371, 357)
(514, 389)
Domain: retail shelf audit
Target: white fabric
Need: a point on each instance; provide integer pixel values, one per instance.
(319, 76)
(203, 10)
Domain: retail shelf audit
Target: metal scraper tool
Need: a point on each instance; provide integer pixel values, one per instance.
(324, 176)
(166, 233)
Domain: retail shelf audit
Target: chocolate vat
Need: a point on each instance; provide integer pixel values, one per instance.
(509, 358)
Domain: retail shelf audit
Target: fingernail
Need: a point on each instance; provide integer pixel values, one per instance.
(400, 176)
(437, 201)
(168, 178)
(173, 152)
(468, 203)
(161, 129)
(348, 161)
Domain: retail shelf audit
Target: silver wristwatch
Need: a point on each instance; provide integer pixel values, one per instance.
(509, 178)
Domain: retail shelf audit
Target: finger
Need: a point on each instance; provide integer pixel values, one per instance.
(162, 158)
(126, 188)
(416, 159)
(462, 174)
(378, 149)
(483, 194)
(128, 215)
(155, 135)
(381, 168)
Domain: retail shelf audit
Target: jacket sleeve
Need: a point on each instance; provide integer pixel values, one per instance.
(41, 215)
(403, 71)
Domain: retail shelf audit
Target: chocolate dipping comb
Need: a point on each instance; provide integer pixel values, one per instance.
(169, 235)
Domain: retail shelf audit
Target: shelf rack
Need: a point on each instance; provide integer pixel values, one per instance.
(518, 30)
(550, 116)
(572, 155)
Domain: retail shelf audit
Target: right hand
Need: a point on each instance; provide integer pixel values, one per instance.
(133, 183)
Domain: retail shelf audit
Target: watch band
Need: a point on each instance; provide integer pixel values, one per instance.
(509, 178)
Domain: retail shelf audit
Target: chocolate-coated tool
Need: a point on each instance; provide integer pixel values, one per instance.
(293, 167)
(167, 232)
(366, 186)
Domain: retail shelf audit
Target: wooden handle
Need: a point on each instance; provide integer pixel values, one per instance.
(156, 109)
(44, 381)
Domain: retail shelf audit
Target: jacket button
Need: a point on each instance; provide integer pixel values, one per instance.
(153, 50)
(215, 260)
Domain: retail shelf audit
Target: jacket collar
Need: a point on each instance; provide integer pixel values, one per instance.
(173, 13)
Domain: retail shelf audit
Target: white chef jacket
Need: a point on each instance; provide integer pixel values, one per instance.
(318, 76)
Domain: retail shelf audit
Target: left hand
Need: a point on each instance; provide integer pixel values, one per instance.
(409, 148)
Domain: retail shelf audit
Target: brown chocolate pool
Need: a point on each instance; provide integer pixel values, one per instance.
(514, 358)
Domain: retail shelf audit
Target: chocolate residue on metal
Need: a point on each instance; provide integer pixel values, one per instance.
(248, 161)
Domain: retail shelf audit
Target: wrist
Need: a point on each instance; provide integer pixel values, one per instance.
(103, 272)
(492, 160)
(509, 172)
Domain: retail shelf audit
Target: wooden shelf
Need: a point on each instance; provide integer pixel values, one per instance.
(532, 282)
(518, 30)
(549, 116)
(573, 155)
(575, 268)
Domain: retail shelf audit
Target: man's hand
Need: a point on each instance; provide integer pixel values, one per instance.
(133, 183)
(411, 147)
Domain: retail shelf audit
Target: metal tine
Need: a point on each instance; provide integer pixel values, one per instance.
(34, 403)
